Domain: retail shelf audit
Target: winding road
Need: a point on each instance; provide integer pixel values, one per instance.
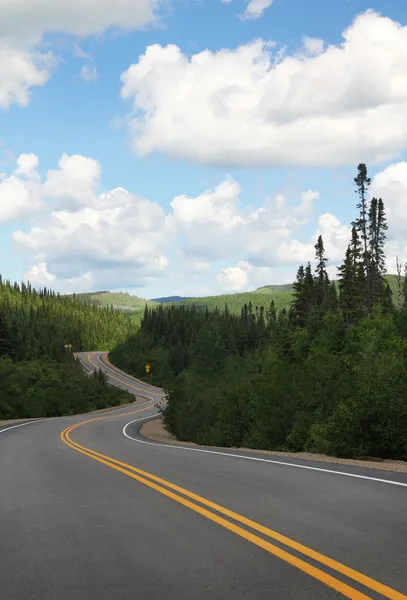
(91, 510)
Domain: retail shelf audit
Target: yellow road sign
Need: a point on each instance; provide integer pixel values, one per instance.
(147, 368)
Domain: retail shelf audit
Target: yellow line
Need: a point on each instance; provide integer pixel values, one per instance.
(139, 390)
(337, 585)
(349, 592)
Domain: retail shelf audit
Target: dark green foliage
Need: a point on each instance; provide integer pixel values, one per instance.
(46, 388)
(38, 375)
(329, 375)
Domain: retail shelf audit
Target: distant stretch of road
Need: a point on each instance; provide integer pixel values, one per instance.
(91, 510)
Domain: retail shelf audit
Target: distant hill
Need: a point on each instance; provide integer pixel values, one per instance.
(170, 299)
(288, 287)
(119, 300)
(281, 294)
(262, 296)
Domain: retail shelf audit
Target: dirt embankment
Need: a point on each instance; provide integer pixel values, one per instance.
(155, 430)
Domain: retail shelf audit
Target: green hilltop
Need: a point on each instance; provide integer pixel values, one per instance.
(119, 300)
(262, 296)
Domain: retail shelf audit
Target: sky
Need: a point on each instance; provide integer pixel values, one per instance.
(195, 147)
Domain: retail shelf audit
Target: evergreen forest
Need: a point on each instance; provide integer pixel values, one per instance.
(38, 374)
(328, 374)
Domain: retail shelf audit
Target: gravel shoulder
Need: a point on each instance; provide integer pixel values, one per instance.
(155, 430)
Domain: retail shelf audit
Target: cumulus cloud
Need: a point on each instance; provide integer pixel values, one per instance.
(234, 279)
(250, 106)
(20, 193)
(391, 185)
(24, 23)
(214, 226)
(83, 237)
(80, 238)
(20, 70)
(75, 182)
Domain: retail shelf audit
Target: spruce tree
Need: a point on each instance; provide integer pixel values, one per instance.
(346, 285)
(322, 279)
(362, 182)
(377, 258)
(4, 336)
(298, 312)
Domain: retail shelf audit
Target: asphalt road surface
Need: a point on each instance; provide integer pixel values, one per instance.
(90, 510)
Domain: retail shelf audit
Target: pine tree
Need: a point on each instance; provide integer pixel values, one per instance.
(399, 284)
(4, 336)
(309, 286)
(298, 311)
(346, 285)
(322, 279)
(332, 298)
(362, 182)
(352, 282)
(377, 237)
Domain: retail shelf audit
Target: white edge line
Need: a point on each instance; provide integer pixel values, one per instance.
(22, 425)
(266, 460)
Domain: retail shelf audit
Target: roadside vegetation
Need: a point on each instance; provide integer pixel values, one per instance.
(326, 374)
(38, 374)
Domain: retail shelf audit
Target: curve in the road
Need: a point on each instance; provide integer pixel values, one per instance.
(197, 504)
(257, 458)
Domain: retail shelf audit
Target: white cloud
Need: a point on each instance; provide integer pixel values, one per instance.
(78, 17)
(244, 277)
(20, 193)
(256, 8)
(391, 185)
(39, 276)
(214, 227)
(23, 23)
(27, 165)
(89, 70)
(84, 239)
(75, 181)
(200, 265)
(234, 279)
(88, 238)
(20, 70)
(245, 107)
(313, 46)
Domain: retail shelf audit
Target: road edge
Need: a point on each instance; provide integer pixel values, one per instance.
(155, 431)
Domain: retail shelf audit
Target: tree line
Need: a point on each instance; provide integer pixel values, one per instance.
(38, 375)
(327, 375)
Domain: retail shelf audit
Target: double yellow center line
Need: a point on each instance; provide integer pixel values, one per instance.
(201, 506)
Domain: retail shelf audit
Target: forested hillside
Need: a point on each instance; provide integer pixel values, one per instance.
(38, 375)
(118, 300)
(327, 375)
(235, 302)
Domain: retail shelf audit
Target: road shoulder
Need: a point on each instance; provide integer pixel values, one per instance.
(155, 431)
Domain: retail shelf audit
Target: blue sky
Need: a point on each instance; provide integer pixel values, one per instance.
(249, 200)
